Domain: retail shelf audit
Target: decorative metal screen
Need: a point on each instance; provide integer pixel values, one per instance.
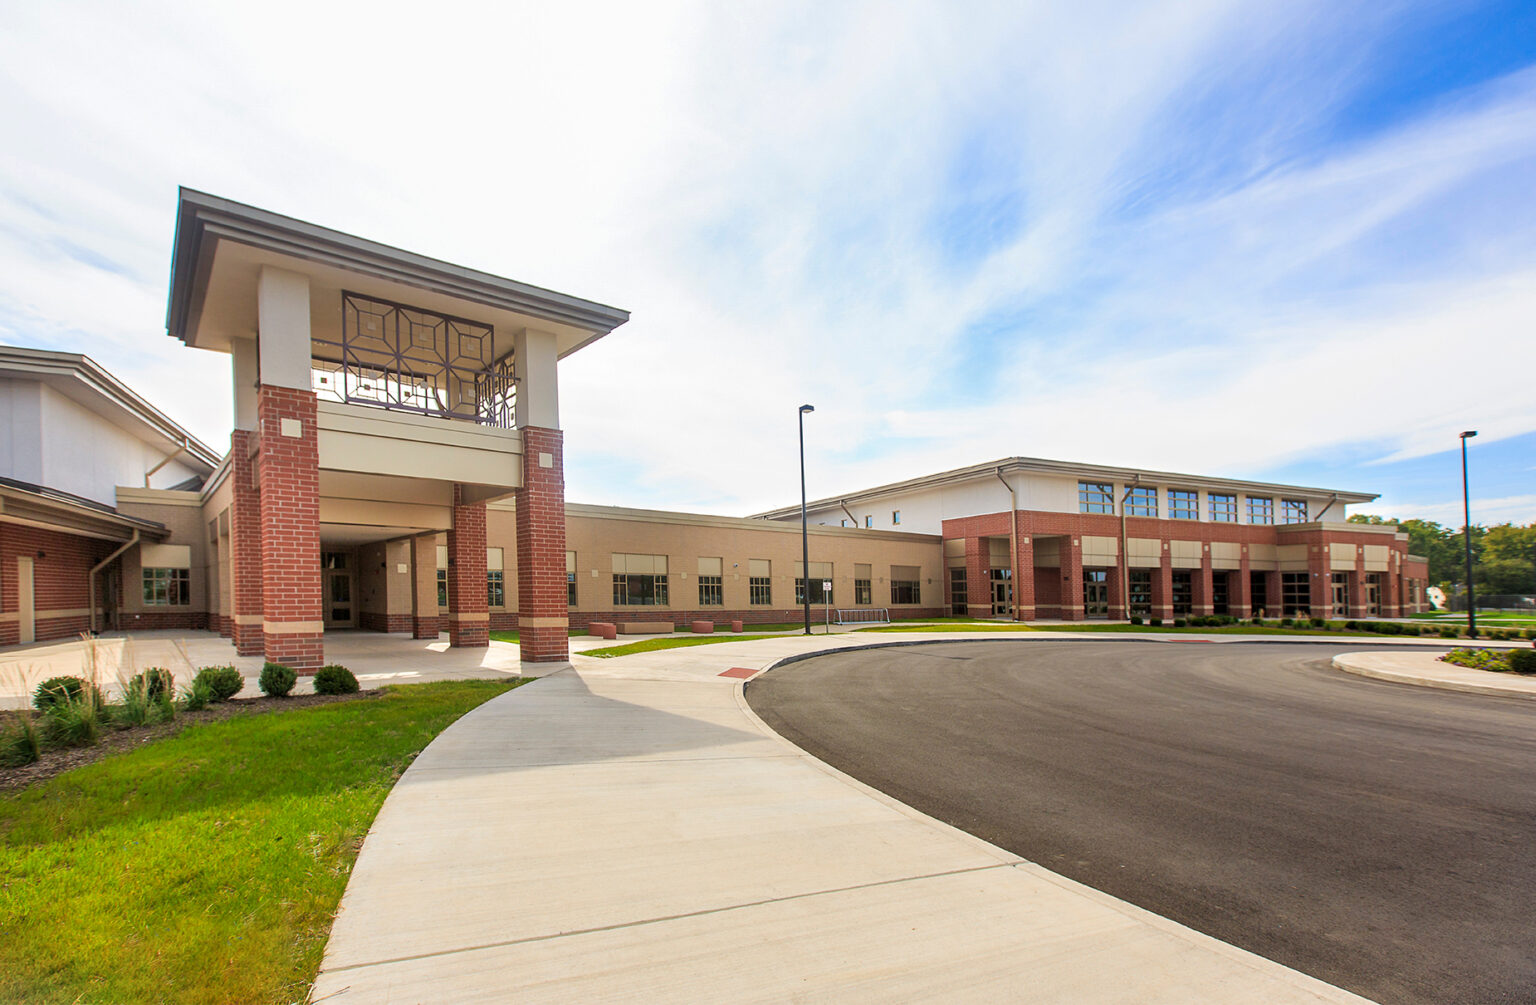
(412, 360)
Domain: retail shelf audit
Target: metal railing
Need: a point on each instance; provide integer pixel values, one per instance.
(864, 616)
(403, 358)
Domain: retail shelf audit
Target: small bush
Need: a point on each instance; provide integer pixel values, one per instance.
(21, 743)
(277, 680)
(1411, 630)
(1351, 626)
(1285, 622)
(223, 682)
(335, 679)
(1315, 622)
(1155, 622)
(74, 723)
(155, 682)
(1447, 633)
(1257, 622)
(1530, 633)
(1523, 661)
(1179, 622)
(197, 696)
(1477, 659)
(58, 689)
(1135, 619)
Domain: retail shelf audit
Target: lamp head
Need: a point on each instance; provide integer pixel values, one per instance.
(807, 408)
(1469, 434)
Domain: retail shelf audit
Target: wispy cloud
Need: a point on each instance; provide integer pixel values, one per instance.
(1153, 236)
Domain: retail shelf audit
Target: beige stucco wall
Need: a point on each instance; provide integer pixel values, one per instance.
(182, 515)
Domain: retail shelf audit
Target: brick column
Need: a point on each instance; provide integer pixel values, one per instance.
(543, 621)
(1240, 592)
(469, 620)
(1200, 605)
(1162, 587)
(1321, 577)
(1355, 585)
(1392, 588)
(244, 545)
(426, 621)
(293, 616)
(1024, 579)
(1117, 583)
(1071, 578)
(1274, 598)
(978, 580)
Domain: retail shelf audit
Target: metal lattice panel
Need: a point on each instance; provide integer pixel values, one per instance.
(408, 359)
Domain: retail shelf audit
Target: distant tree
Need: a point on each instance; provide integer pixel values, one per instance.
(1509, 559)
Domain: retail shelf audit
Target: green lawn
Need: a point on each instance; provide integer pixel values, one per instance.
(205, 867)
(505, 636)
(1460, 618)
(673, 642)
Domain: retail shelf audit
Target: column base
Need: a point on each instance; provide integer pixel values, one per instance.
(249, 639)
(298, 651)
(426, 628)
(468, 634)
(544, 645)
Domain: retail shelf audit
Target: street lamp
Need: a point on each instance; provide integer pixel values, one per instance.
(1466, 535)
(805, 541)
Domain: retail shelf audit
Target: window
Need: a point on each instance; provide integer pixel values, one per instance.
(570, 579)
(906, 585)
(640, 580)
(1183, 505)
(167, 587)
(863, 591)
(869, 520)
(1296, 593)
(821, 572)
(1141, 591)
(843, 522)
(1142, 501)
(895, 518)
(1223, 508)
(442, 587)
(760, 582)
(1095, 497)
(958, 593)
(1293, 511)
(495, 580)
(1183, 593)
(1261, 509)
(711, 577)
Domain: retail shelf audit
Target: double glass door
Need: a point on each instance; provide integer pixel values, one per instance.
(1002, 592)
(1096, 593)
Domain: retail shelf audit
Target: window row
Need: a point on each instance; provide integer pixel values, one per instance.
(1184, 504)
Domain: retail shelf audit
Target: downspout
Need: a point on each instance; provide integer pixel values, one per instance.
(1013, 541)
(1332, 499)
(185, 446)
(91, 576)
(851, 518)
(1125, 556)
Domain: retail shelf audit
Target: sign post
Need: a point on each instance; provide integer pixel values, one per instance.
(826, 596)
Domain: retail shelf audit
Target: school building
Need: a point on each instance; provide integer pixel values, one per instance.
(395, 464)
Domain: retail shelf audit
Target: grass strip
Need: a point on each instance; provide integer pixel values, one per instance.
(653, 645)
(513, 636)
(205, 867)
(1148, 629)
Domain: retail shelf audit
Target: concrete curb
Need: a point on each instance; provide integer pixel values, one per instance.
(1403, 668)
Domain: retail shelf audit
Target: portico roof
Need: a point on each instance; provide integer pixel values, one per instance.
(220, 246)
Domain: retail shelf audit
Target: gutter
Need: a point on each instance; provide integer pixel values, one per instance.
(91, 576)
(1013, 546)
(1125, 557)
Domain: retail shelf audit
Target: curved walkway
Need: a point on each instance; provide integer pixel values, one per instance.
(1426, 670)
(629, 829)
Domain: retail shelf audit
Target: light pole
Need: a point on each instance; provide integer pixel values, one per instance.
(1466, 535)
(805, 541)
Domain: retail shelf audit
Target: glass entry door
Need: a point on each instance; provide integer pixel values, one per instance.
(1373, 594)
(1341, 595)
(336, 568)
(1002, 592)
(1096, 593)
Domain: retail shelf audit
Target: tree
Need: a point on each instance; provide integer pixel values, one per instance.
(1503, 556)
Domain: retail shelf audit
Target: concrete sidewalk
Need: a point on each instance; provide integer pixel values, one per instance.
(629, 830)
(1426, 670)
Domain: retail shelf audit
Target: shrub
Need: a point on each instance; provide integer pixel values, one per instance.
(1155, 622)
(335, 679)
(1523, 661)
(1351, 626)
(1257, 622)
(223, 682)
(1135, 619)
(1411, 630)
(197, 696)
(58, 689)
(277, 680)
(1285, 622)
(1530, 633)
(21, 743)
(1447, 633)
(1477, 659)
(1179, 622)
(155, 682)
(73, 723)
(1316, 622)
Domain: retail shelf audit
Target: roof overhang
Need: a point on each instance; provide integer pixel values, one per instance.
(220, 247)
(1066, 469)
(35, 506)
(83, 381)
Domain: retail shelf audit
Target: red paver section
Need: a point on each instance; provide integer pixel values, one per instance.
(739, 672)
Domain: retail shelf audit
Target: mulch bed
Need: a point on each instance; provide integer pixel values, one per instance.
(58, 760)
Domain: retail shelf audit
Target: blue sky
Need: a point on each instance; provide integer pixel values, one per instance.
(1290, 241)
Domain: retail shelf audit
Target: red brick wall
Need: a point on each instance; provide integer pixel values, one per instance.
(244, 544)
(468, 622)
(718, 615)
(542, 614)
(376, 621)
(290, 529)
(58, 580)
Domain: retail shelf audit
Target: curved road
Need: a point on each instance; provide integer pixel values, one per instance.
(1378, 836)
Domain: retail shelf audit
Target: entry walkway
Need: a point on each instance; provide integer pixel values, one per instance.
(628, 829)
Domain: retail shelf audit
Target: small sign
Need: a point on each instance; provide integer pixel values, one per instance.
(826, 586)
